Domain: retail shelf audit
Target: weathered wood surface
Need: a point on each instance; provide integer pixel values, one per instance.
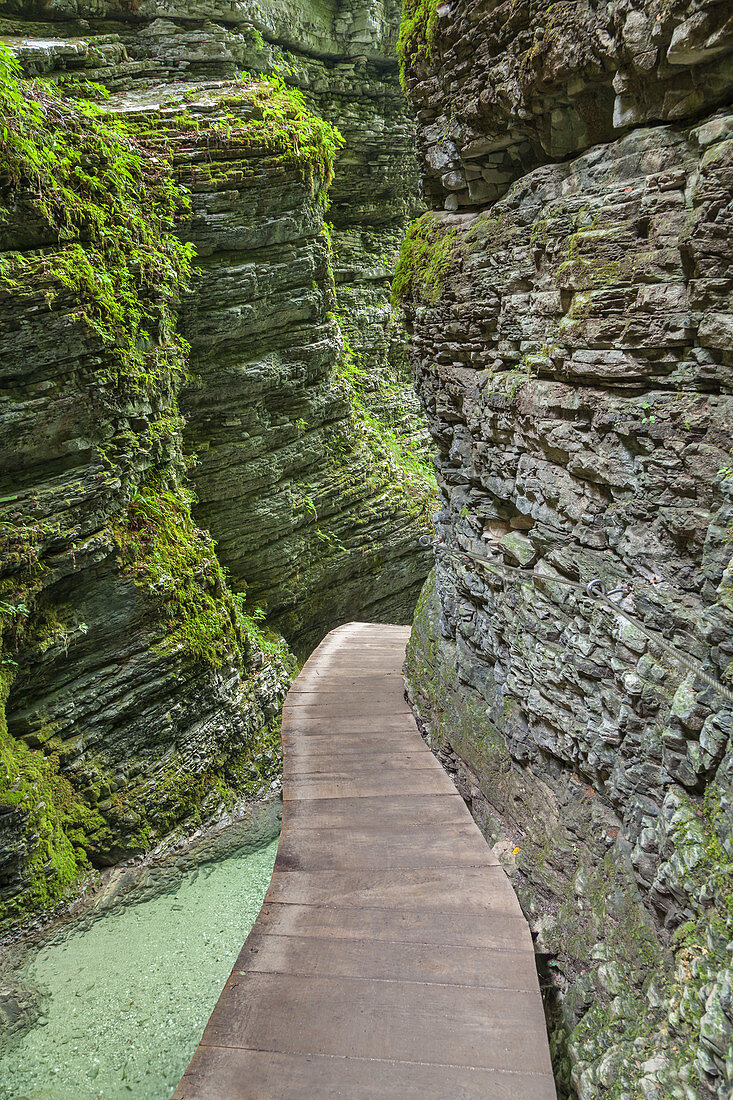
(391, 958)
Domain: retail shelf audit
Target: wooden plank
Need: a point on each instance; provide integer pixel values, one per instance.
(451, 928)
(297, 721)
(359, 766)
(363, 1018)
(402, 813)
(296, 747)
(376, 846)
(223, 1073)
(477, 889)
(315, 705)
(363, 663)
(419, 782)
(324, 956)
(340, 678)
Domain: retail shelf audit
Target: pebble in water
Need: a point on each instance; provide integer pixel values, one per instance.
(129, 996)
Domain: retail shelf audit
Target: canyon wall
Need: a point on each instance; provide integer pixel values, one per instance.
(312, 526)
(205, 444)
(569, 302)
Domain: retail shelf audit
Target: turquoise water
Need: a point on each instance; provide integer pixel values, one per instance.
(129, 996)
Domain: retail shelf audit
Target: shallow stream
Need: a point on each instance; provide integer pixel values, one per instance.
(127, 995)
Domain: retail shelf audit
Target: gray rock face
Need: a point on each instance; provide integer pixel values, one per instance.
(534, 83)
(118, 729)
(572, 345)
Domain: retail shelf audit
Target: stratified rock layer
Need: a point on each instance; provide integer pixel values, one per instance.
(134, 691)
(133, 720)
(529, 82)
(303, 518)
(573, 345)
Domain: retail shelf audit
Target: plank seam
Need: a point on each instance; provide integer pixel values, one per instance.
(383, 1061)
(333, 935)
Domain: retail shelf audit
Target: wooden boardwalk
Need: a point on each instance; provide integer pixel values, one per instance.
(390, 959)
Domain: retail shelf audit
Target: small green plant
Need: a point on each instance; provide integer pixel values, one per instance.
(303, 500)
(331, 541)
(417, 34)
(647, 416)
(12, 611)
(61, 634)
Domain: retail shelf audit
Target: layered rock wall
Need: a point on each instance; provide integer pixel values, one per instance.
(136, 691)
(570, 322)
(276, 480)
(140, 688)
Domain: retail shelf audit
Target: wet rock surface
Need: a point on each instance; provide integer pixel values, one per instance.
(570, 334)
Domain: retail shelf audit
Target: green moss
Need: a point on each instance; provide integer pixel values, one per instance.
(110, 203)
(262, 113)
(55, 820)
(612, 1043)
(261, 764)
(59, 832)
(610, 910)
(491, 231)
(397, 468)
(701, 833)
(289, 125)
(399, 465)
(179, 795)
(457, 718)
(427, 253)
(418, 30)
(176, 563)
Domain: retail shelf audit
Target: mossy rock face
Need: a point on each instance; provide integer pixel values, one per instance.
(628, 1005)
(142, 219)
(312, 471)
(136, 686)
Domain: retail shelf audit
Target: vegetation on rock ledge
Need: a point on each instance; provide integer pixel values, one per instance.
(257, 112)
(282, 120)
(109, 205)
(417, 34)
(427, 253)
(176, 562)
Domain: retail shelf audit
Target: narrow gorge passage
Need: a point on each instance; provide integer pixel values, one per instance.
(289, 291)
(391, 958)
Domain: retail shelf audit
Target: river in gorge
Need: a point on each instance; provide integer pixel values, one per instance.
(122, 999)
